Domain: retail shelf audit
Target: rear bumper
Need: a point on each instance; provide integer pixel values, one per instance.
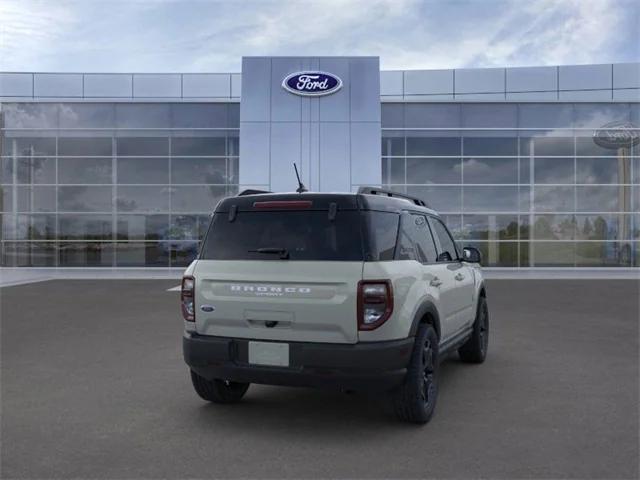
(364, 366)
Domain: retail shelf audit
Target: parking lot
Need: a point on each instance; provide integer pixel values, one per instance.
(94, 386)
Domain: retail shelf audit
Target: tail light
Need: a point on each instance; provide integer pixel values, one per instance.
(375, 303)
(187, 298)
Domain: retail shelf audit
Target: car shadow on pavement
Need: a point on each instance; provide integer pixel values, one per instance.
(296, 410)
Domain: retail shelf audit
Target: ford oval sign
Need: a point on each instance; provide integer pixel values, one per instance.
(616, 135)
(312, 84)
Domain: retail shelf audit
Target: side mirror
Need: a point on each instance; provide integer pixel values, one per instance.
(471, 255)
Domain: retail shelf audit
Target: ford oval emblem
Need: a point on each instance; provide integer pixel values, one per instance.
(207, 308)
(312, 83)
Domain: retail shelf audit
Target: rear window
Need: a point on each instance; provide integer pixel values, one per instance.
(304, 235)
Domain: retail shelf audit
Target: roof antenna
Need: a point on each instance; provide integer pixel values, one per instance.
(301, 188)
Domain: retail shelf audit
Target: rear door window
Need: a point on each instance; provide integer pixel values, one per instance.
(304, 235)
(416, 242)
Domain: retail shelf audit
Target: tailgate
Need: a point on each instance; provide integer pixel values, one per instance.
(306, 301)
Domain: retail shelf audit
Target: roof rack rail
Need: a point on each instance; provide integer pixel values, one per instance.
(389, 193)
(251, 191)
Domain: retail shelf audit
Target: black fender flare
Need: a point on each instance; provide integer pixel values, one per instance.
(426, 308)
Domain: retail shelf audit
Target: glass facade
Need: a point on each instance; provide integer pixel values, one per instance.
(113, 184)
(128, 184)
(525, 183)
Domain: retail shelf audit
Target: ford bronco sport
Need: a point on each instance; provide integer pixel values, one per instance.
(364, 291)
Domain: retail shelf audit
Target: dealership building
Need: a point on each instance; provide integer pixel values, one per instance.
(537, 166)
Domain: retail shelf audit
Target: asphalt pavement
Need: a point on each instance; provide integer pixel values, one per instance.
(93, 386)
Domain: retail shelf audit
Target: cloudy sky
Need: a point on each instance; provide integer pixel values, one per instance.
(209, 35)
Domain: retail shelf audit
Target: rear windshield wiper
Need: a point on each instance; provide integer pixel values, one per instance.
(283, 252)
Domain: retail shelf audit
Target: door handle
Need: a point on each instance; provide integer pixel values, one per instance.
(459, 277)
(436, 282)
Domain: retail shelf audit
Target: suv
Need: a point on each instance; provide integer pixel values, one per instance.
(363, 291)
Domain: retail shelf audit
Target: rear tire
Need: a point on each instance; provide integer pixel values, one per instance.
(218, 391)
(475, 349)
(416, 399)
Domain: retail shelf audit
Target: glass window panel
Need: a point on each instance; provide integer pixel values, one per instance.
(553, 199)
(36, 199)
(635, 228)
(490, 170)
(198, 146)
(84, 170)
(604, 254)
(137, 254)
(545, 115)
(554, 170)
(233, 143)
(196, 199)
(199, 115)
(28, 227)
(143, 227)
(143, 170)
(143, 115)
(183, 253)
(490, 146)
(489, 116)
(232, 170)
(30, 115)
(587, 147)
(524, 227)
(81, 254)
(636, 170)
(603, 170)
(393, 170)
(442, 199)
(392, 144)
(597, 115)
(392, 115)
(604, 227)
(84, 199)
(199, 170)
(233, 115)
(525, 170)
(87, 115)
(547, 146)
(491, 199)
(434, 170)
(30, 254)
(552, 254)
(11, 228)
(29, 146)
(85, 227)
(490, 227)
(6, 170)
(190, 227)
(603, 198)
(90, 146)
(143, 199)
(425, 115)
(418, 144)
(36, 170)
(142, 146)
(6, 199)
(497, 254)
(554, 227)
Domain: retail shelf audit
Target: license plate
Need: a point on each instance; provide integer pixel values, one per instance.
(269, 353)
